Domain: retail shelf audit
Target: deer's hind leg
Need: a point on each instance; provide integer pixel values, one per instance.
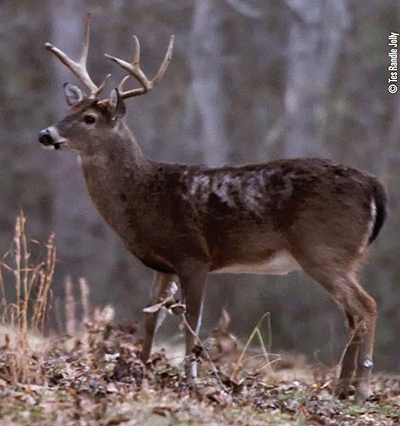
(361, 312)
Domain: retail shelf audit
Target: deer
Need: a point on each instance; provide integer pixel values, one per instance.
(187, 221)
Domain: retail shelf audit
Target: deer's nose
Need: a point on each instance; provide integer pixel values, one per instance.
(45, 138)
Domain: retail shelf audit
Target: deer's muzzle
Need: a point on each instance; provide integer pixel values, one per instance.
(45, 138)
(50, 138)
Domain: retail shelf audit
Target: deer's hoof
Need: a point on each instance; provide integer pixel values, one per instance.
(342, 390)
(363, 393)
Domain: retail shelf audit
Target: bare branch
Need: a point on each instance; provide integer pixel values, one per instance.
(245, 9)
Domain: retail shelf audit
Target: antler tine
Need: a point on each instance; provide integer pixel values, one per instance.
(134, 69)
(86, 37)
(79, 68)
(121, 84)
(165, 62)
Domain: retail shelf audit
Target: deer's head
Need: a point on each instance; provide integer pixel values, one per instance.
(90, 120)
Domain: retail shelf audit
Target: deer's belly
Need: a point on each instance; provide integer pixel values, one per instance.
(280, 263)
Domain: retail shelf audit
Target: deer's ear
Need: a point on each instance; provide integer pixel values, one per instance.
(118, 105)
(73, 94)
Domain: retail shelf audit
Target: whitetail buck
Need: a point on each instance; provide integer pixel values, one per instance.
(186, 221)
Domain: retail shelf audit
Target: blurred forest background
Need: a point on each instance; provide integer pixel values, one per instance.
(249, 81)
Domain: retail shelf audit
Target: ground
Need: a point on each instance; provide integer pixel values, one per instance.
(98, 379)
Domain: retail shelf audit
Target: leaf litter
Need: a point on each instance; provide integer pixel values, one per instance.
(100, 380)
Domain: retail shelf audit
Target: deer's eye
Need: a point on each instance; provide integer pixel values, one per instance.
(89, 119)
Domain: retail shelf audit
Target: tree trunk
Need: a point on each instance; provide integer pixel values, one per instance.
(316, 35)
(207, 79)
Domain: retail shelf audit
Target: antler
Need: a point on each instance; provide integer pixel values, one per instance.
(79, 68)
(134, 69)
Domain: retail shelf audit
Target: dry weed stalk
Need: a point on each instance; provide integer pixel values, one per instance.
(31, 285)
(266, 353)
(70, 308)
(85, 299)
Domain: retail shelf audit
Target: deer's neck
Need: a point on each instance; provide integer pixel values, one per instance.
(117, 167)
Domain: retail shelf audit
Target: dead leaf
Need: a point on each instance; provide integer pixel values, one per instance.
(154, 308)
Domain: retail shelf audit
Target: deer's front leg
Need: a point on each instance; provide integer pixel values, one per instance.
(160, 289)
(193, 284)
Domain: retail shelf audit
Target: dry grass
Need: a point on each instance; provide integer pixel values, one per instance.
(25, 293)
